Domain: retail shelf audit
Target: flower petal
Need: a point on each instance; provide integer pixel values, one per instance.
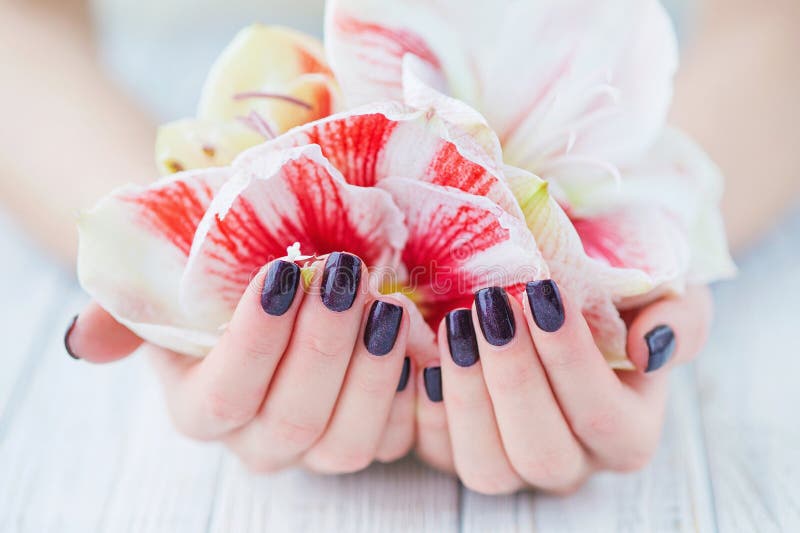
(678, 177)
(595, 84)
(601, 261)
(279, 73)
(459, 243)
(387, 140)
(134, 245)
(283, 197)
(191, 144)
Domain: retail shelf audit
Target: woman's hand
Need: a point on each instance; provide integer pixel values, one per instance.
(300, 376)
(529, 401)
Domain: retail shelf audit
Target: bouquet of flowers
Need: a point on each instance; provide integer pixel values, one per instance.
(450, 145)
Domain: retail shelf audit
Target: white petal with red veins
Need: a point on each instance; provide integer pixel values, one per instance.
(459, 243)
(675, 175)
(284, 196)
(387, 140)
(567, 84)
(134, 246)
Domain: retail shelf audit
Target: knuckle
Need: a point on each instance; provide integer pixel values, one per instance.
(320, 348)
(554, 468)
(224, 410)
(298, 434)
(599, 424)
(260, 463)
(375, 385)
(489, 483)
(461, 400)
(513, 379)
(340, 462)
(634, 459)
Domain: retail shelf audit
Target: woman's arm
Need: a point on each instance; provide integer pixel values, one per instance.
(737, 94)
(68, 135)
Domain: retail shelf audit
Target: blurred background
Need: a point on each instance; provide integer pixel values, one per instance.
(84, 84)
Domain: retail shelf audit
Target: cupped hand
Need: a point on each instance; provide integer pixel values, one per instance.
(521, 397)
(315, 376)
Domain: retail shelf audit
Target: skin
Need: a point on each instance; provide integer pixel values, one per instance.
(733, 95)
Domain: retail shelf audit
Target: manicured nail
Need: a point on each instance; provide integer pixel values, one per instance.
(433, 383)
(66, 337)
(404, 375)
(461, 337)
(661, 345)
(280, 286)
(340, 281)
(382, 327)
(546, 306)
(495, 316)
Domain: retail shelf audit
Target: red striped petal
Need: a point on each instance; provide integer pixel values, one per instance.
(385, 141)
(134, 246)
(459, 243)
(292, 196)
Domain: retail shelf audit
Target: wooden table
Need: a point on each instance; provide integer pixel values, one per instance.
(86, 448)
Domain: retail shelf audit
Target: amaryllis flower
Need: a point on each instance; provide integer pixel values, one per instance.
(427, 209)
(268, 80)
(622, 208)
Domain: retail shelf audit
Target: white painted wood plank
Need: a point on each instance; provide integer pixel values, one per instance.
(750, 394)
(672, 494)
(89, 448)
(27, 287)
(401, 497)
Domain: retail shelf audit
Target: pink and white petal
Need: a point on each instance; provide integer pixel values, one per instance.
(287, 196)
(390, 140)
(463, 121)
(552, 77)
(678, 176)
(273, 71)
(367, 41)
(191, 144)
(459, 243)
(134, 246)
(593, 284)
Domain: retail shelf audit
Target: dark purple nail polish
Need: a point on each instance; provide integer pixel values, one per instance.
(404, 374)
(546, 306)
(433, 383)
(461, 337)
(340, 281)
(495, 316)
(280, 286)
(66, 337)
(382, 327)
(661, 345)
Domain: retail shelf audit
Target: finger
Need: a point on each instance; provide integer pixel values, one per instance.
(305, 387)
(351, 439)
(606, 416)
(226, 389)
(671, 331)
(536, 436)
(398, 435)
(478, 453)
(96, 337)
(433, 435)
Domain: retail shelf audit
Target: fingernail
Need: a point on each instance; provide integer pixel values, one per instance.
(340, 281)
(495, 316)
(66, 337)
(546, 306)
(661, 345)
(280, 286)
(382, 327)
(461, 337)
(404, 375)
(433, 383)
